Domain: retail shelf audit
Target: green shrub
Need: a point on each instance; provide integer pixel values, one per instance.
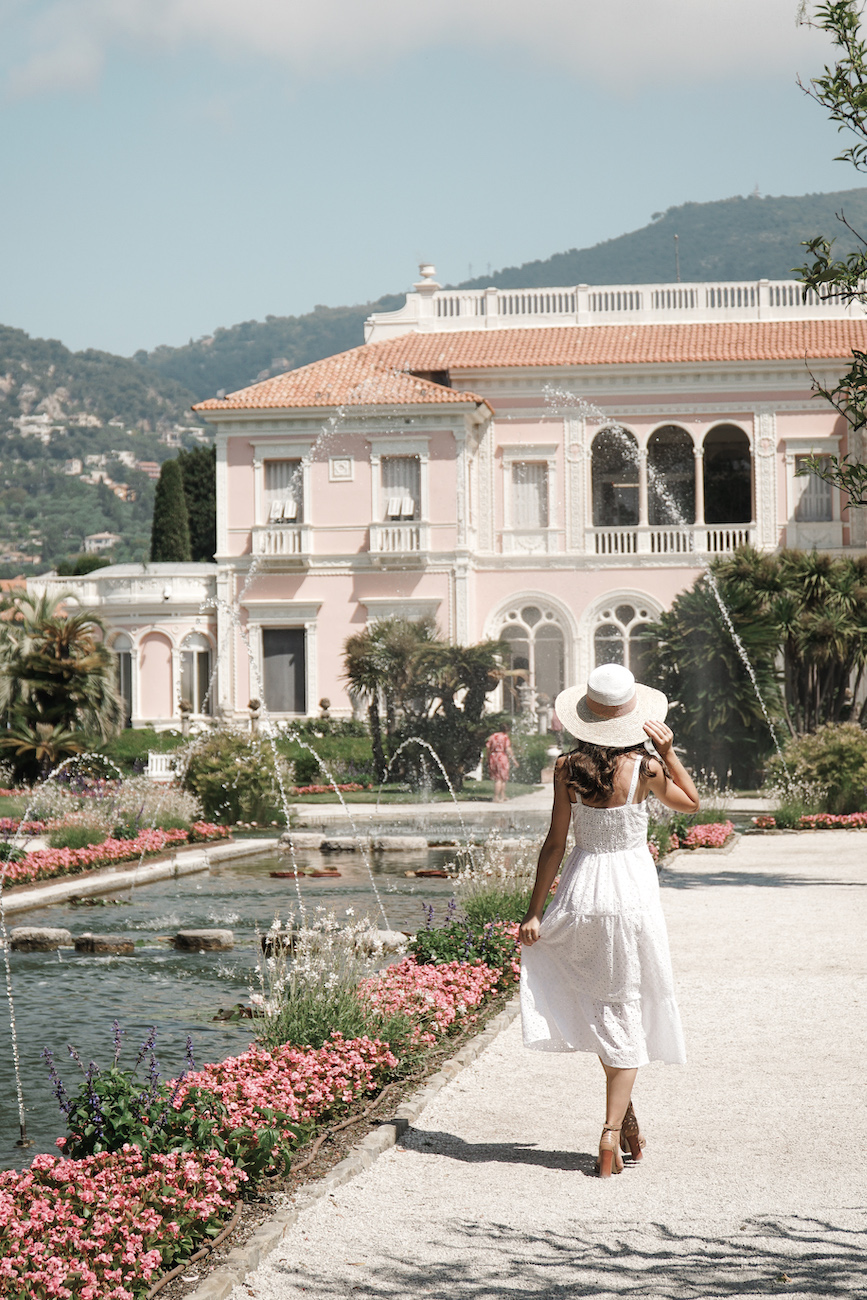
(234, 776)
(76, 836)
(531, 753)
(349, 757)
(833, 761)
(498, 902)
(460, 940)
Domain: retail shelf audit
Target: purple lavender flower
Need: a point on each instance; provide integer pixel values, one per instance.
(56, 1082)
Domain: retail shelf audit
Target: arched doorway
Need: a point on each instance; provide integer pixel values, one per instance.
(670, 477)
(536, 639)
(615, 479)
(620, 636)
(728, 476)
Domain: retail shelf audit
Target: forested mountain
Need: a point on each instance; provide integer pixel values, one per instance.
(730, 239)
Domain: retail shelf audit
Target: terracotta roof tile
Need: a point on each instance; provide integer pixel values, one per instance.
(355, 378)
(379, 373)
(595, 345)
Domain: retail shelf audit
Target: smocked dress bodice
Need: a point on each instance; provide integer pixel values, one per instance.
(608, 830)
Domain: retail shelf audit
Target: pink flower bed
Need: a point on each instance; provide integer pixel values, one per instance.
(817, 822)
(42, 864)
(712, 836)
(299, 1084)
(100, 1228)
(435, 996)
(11, 825)
(833, 821)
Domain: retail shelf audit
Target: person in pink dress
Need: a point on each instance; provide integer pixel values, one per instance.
(501, 759)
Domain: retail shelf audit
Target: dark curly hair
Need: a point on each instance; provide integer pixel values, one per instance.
(589, 769)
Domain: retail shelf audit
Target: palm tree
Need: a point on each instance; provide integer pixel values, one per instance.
(57, 681)
(380, 667)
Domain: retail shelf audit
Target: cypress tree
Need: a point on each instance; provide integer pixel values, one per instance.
(199, 471)
(170, 531)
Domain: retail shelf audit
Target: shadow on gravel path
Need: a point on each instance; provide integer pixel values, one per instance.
(433, 1143)
(671, 878)
(791, 1256)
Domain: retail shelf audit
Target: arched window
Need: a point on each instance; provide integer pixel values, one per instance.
(670, 477)
(728, 476)
(621, 637)
(537, 654)
(122, 649)
(615, 479)
(196, 672)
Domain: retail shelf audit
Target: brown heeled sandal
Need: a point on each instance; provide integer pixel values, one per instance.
(609, 1161)
(631, 1141)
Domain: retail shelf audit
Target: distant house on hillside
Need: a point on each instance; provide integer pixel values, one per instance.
(149, 467)
(96, 542)
(549, 467)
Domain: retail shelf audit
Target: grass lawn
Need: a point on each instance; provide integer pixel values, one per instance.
(12, 806)
(473, 791)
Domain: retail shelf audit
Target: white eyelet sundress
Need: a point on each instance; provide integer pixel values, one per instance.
(599, 977)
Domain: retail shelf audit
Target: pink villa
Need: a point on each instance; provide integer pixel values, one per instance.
(547, 466)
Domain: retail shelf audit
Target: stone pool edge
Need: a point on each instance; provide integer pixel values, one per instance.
(245, 1259)
(187, 862)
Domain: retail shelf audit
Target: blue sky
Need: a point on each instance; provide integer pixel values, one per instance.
(174, 165)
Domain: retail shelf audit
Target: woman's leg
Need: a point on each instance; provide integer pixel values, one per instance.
(499, 790)
(618, 1092)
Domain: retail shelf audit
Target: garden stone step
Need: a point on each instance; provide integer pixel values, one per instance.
(105, 945)
(37, 938)
(204, 940)
(401, 843)
(301, 840)
(344, 844)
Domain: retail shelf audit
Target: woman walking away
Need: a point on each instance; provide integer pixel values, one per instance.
(500, 761)
(595, 970)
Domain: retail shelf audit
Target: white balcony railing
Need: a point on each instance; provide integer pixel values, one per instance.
(690, 539)
(282, 541)
(398, 539)
(432, 309)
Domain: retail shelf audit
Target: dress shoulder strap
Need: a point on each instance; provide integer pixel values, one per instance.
(633, 784)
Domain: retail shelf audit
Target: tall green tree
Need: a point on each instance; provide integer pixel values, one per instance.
(714, 709)
(817, 604)
(842, 90)
(170, 530)
(199, 474)
(58, 690)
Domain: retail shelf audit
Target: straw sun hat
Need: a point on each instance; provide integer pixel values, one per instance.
(611, 709)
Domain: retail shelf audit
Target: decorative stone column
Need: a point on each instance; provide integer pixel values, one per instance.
(642, 487)
(765, 475)
(698, 452)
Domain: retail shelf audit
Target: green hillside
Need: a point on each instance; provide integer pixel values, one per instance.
(730, 239)
(57, 408)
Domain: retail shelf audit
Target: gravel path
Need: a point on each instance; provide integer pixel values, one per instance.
(753, 1182)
